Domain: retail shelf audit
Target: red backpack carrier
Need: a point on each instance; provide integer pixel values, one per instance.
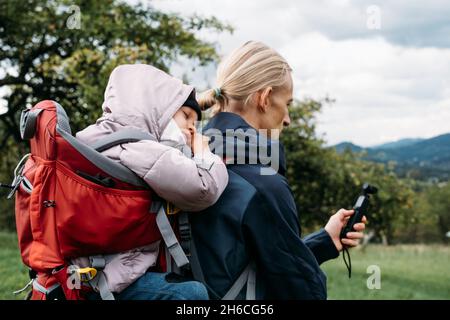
(72, 201)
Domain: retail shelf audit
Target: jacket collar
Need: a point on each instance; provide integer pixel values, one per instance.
(228, 122)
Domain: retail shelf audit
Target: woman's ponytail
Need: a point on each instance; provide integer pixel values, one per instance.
(212, 98)
(206, 99)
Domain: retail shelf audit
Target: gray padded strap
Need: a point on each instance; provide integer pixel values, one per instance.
(170, 238)
(37, 286)
(119, 137)
(28, 120)
(196, 267)
(103, 288)
(99, 282)
(251, 284)
(97, 262)
(240, 282)
(168, 260)
(100, 285)
(112, 168)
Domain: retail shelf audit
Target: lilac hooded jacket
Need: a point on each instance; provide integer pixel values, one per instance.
(143, 97)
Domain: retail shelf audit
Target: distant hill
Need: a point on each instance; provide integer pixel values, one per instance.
(348, 145)
(398, 144)
(418, 158)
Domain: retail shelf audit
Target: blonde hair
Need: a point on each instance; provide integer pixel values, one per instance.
(248, 69)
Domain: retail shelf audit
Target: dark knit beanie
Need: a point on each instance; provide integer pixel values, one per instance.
(192, 103)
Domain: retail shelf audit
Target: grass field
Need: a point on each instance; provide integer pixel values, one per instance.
(407, 272)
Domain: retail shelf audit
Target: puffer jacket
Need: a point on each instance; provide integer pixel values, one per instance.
(145, 98)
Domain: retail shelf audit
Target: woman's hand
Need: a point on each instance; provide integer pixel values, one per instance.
(337, 222)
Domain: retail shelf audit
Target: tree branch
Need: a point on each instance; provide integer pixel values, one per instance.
(8, 80)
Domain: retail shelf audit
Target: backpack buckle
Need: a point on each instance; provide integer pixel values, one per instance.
(87, 274)
(18, 176)
(49, 203)
(14, 186)
(84, 274)
(171, 209)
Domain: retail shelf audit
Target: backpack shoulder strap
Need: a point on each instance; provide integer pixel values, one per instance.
(28, 120)
(122, 136)
(247, 277)
(187, 243)
(168, 235)
(114, 169)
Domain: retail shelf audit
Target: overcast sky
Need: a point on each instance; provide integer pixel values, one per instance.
(389, 83)
(386, 63)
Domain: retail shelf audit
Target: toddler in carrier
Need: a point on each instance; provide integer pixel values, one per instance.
(145, 98)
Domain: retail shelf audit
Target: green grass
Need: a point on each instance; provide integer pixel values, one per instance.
(407, 272)
(13, 274)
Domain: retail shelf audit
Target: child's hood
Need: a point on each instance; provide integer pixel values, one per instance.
(143, 96)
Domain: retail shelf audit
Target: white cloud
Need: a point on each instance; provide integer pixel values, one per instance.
(388, 84)
(384, 92)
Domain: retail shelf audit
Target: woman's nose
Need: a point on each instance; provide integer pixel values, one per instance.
(286, 121)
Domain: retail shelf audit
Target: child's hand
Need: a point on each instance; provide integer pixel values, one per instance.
(199, 143)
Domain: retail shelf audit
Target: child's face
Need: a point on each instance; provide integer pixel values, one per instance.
(185, 118)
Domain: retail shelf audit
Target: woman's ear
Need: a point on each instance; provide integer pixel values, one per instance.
(264, 99)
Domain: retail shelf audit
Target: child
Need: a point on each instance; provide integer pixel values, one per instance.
(145, 98)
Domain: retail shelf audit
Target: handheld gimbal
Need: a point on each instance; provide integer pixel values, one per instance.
(360, 207)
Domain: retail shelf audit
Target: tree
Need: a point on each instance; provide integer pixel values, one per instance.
(65, 51)
(323, 181)
(439, 200)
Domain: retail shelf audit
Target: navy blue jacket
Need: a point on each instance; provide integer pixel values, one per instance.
(256, 219)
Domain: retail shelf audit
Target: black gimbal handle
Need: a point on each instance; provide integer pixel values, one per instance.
(360, 208)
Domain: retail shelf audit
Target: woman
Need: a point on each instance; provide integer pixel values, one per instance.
(255, 221)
